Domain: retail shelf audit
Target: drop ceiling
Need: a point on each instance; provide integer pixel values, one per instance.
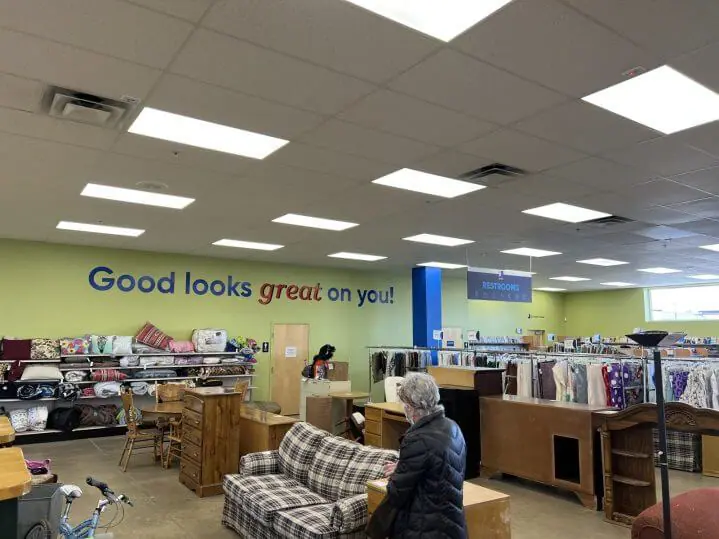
(358, 97)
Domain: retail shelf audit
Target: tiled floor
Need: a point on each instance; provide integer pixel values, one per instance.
(166, 509)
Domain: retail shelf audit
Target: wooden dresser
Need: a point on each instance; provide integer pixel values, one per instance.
(262, 431)
(385, 423)
(210, 438)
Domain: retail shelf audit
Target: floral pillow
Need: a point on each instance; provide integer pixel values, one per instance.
(44, 349)
(75, 346)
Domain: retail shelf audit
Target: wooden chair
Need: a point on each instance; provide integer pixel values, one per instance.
(172, 430)
(241, 387)
(136, 435)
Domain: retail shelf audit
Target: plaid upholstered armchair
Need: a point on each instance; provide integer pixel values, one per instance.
(314, 487)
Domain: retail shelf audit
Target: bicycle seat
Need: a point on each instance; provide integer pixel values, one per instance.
(71, 491)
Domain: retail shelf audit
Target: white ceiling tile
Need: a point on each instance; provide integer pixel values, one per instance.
(330, 162)
(191, 10)
(521, 150)
(585, 127)
(602, 174)
(327, 32)
(245, 67)
(73, 68)
(353, 139)
(41, 126)
(697, 65)
(664, 26)
(709, 227)
(664, 155)
(214, 104)
(663, 192)
(704, 138)
(105, 26)
(550, 43)
(704, 208)
(459, 82)
(151, 148)
(20, 93)
(402, 115)
(706, 180)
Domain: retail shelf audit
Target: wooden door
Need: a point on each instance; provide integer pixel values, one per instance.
(290, 353)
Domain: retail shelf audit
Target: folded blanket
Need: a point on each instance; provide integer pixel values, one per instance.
(103, 415)
(148, 361)
(229, 360)
(165, 360)
(107, 389)
(76, 359)
(139, 348)
(139, 388)
(108, 375)
(105, 362)
(156, 373)
(210, 360)
(188, 360)
(129, 361)
(75, 376)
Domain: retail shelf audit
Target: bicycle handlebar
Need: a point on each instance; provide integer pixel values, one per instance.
(109, 494)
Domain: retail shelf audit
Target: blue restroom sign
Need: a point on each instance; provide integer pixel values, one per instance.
(497, 285)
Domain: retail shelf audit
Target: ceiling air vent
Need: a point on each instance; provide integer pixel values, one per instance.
(609, 221)
(85, 108)
(493, 174)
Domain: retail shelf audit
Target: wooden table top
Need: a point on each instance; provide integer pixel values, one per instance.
(7, 433)
(215, 391)
(393, 407)
(265, 418)
(15, 479)
(168, 408)
(350, 395)
(513, 399)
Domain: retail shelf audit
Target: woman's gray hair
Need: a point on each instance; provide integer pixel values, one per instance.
(420, 391)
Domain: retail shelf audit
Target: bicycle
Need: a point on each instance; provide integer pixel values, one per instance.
(87, 528)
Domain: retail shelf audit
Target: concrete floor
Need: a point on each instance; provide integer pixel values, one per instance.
(166, 509)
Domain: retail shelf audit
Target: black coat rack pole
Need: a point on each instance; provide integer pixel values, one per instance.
(663, 460)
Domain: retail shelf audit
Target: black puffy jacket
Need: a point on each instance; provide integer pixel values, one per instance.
(426, 487)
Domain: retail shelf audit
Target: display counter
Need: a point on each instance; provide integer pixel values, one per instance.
(550, 442)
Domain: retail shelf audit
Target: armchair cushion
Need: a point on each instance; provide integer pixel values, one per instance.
(349, 514)
(298, 449)
(328, 468)
(264, 463)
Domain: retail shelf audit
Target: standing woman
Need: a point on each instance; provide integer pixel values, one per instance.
(425, 486)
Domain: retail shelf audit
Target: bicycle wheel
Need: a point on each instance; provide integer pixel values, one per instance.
(41, 530)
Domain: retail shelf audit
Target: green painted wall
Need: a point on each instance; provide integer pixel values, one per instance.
(495, 318)
(617, 312)
(44, 291)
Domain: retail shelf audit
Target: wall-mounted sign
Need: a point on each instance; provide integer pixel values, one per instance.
(291, 351)
(437, 334)
(497, 285)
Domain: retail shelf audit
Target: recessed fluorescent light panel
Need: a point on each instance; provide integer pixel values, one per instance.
(705, 277)
(433, 239)
(201, 134)
(429, 184)
(314, 222)
(99, 229)
(550, 289)
(660, 271)
(443, 20)
(602, 262)
(358, 256)
(239, 244)
(617, 283)
(526, 251)
(569, 278)
(714, 247)
(566, 212)
(133, 196)
(442, 265)
(662, 99)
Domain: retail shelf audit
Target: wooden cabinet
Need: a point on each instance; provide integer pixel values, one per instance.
(385, 423)
(210, 438)
(486, 511)
(262, 431)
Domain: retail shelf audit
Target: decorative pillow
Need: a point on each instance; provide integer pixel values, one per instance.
(108, 375)
(101, 344)
(19, 420)
(181, 347)
(152, 336)
(41, 372)
(14, 349)
(122, 346)
(37, 418)
(209, 340)
(75, 346)
(44, 349)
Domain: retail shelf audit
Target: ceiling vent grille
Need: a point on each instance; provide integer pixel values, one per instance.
(609, 221)
(493, 174)
(85, 108)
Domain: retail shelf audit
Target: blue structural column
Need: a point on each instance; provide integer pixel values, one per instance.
(426, 305)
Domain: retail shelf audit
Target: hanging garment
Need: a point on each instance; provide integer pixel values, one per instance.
(524, 379)
(379, 366)
(679, 383)
(511, 379)
(547, 387)
(560, 380)
(714, 390)
(596, 390)
(633, 384)
(580, 384)
(616, 386)
(696, 393)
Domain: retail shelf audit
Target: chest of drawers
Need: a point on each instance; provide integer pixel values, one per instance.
(210, 439)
